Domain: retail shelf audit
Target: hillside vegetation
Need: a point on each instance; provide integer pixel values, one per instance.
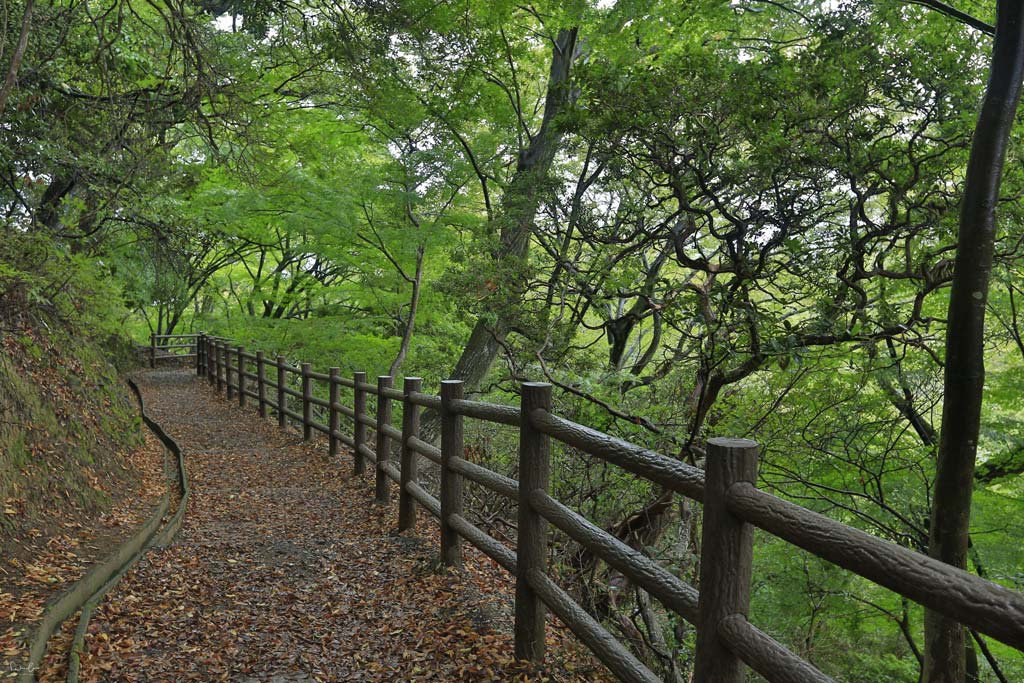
(66, 420)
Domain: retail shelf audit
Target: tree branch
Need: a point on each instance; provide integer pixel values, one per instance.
(954, 13)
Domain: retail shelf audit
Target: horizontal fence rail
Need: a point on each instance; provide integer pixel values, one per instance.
(727, 643)
(173, 346)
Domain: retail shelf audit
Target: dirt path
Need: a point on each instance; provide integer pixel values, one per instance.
(285, 571)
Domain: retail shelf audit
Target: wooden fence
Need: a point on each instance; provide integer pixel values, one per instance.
(173, 346)
(733, 506)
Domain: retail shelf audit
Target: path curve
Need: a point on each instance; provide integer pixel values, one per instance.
(285, 571)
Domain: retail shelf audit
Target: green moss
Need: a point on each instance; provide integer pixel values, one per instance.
(66, 418)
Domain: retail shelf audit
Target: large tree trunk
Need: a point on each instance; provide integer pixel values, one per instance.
(965, 367)
(519, 207)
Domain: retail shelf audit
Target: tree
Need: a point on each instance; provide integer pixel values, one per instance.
(949, 528)
(691, 217)
(518, 210)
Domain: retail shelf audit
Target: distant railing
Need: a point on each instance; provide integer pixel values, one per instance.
(733, 506)
(172, 347)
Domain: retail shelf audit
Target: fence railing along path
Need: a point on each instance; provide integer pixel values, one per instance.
(733, 505)
(172, 347)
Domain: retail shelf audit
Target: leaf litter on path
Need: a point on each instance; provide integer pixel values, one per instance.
(286, 571)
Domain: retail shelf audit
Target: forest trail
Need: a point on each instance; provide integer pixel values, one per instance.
(286, 572)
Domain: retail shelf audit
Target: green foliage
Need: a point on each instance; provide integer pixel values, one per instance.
(747, 230)
(65, 418)
(38, 277)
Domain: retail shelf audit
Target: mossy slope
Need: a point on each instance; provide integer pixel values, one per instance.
(66, 418)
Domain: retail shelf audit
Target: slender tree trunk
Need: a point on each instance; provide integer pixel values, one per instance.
(19, 53)
(414, 304)
(945, 646)
(519, 209)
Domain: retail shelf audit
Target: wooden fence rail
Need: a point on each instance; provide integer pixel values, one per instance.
(733, 505)
(172, 346)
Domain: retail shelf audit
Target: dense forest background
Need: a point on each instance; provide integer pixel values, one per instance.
(693, 218)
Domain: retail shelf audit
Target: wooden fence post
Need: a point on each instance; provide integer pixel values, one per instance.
(451, 481)
(241, 377)
(229, 387)
(382, 489)
(409, 459)
(152, 350)
(228, 371)
(532, 544)
(219, 353)
(727, 553)
(199, 348)
(359, 431)
(334, 415)
(211, 360)
(261, 383)
(307, 403)
(282, 398)
(225, 366)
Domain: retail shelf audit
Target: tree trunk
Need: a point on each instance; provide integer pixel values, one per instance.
(19, 53)
(965, 367)
(410, 324)
(519, 207)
